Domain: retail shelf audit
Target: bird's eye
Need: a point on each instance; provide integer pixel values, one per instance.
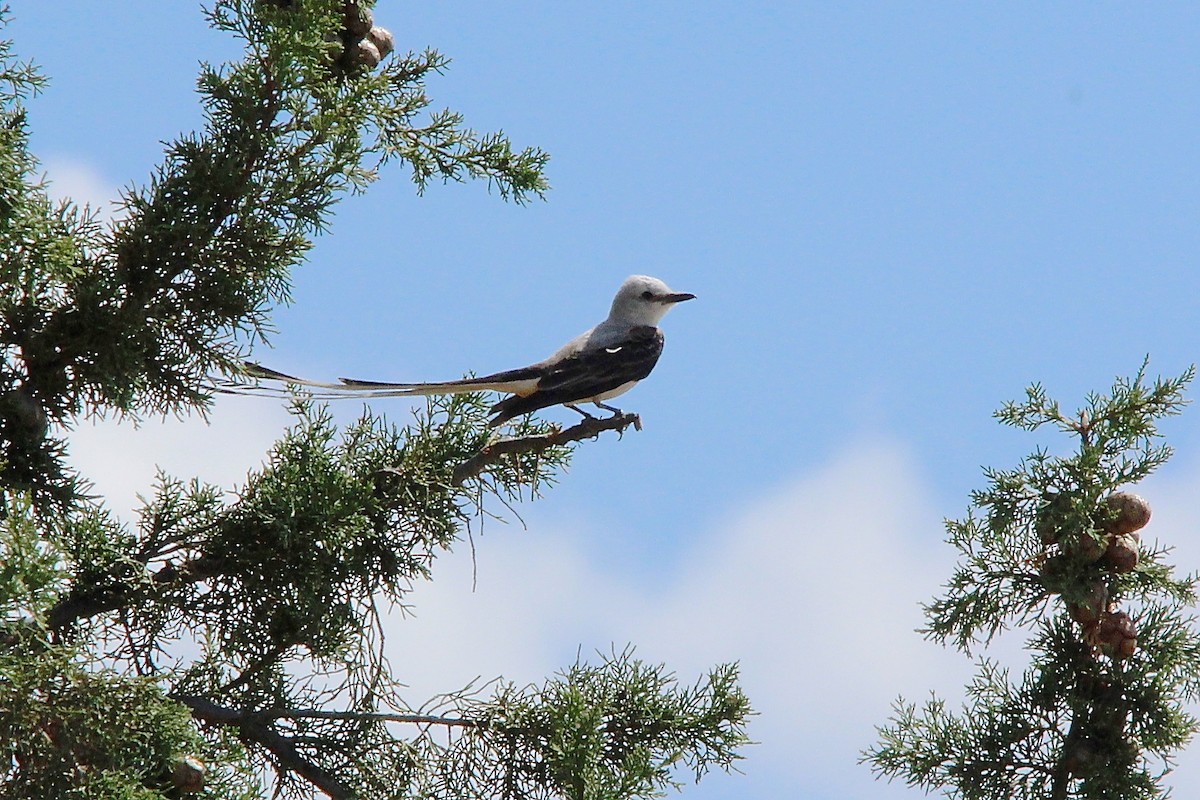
(647, 295)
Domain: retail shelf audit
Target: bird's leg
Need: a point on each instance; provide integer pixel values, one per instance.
(616, 412)
(574, 407)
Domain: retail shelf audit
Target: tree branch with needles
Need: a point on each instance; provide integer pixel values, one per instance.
(92, 599)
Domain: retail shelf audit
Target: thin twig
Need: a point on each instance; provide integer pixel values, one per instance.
(271, 657)
(209, 711)
(377, 716)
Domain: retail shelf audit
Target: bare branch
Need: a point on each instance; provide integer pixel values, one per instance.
(254, 727)
(586, 429)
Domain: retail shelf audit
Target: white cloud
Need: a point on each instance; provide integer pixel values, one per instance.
(72, 178)
(817, 591)
(814, 589)
(121, 459)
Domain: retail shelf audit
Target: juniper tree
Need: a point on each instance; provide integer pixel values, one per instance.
(229, 643)
(1052, 548)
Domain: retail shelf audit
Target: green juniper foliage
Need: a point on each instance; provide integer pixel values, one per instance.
(244, 628)
(1051, 547)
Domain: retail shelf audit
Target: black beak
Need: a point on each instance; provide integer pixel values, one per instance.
(676, 297)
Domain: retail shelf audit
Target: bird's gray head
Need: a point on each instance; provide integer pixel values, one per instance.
(643, 300)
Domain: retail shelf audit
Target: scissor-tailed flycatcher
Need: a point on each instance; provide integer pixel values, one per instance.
(595, 366)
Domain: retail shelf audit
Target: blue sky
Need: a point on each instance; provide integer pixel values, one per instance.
(895, 217)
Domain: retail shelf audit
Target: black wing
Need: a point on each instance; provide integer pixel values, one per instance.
(588, 374)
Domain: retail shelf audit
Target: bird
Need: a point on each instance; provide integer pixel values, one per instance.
(599, 364)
